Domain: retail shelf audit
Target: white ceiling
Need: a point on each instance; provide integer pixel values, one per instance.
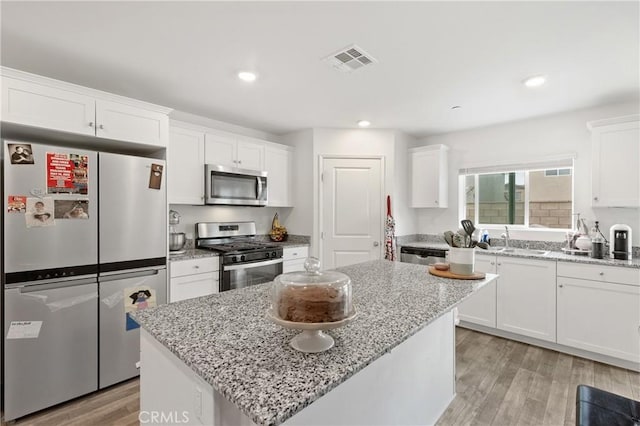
(432, 55)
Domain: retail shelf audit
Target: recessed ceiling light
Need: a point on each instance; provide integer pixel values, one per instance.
(364, 123)
(247, 76)
(456, 107)
(535, 81)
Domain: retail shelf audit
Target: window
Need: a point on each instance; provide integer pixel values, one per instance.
(534, 198)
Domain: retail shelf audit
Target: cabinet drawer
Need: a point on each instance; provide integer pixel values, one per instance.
(612, 274)
(293, 265)
(194, 266)
(292, 253)
(191, 286)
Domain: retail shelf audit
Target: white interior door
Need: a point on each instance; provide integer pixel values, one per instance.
(351, 224)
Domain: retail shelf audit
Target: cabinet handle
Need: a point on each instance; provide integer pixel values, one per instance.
(436, 201)
(294, 254)
(493, 263)
(595, 198)
(601, 273)
(101, 126)
(91, 124)
(196, 266)
(560, 285)
(499, 264)
(239, 161)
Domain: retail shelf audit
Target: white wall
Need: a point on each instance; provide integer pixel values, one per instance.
(532, 139)
(261, 215)
(406, 217)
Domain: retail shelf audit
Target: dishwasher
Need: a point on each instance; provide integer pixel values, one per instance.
(422, 255)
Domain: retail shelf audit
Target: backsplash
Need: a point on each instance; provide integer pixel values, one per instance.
(526, 244)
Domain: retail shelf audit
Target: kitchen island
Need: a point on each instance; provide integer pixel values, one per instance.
(218, 360)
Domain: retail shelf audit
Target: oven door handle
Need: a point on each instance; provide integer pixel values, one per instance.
(252, 265)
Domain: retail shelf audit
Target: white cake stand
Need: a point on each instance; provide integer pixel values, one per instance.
(312, 339)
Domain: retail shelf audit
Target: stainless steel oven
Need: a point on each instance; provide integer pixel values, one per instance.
(235, 187)
(247, 274)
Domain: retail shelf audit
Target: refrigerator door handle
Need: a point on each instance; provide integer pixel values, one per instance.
(51, 286)
(127, 275)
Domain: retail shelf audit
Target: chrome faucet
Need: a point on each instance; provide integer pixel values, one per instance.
(505, 236)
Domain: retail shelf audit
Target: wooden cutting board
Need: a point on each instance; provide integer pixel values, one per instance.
(449, 274)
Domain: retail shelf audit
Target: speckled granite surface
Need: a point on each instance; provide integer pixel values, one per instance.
(552, 255)
(191, 254)
(226, 339)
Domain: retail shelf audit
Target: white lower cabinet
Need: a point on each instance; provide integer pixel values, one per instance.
(294, 258)
(526, 297)
(480, 307)
(599, 316)
(193, 278)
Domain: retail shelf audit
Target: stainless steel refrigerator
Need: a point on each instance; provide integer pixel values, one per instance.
(84, 244)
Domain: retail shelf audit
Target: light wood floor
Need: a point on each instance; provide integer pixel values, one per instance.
(499, 382)
(502, 382)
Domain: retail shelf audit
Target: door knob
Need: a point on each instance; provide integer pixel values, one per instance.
(376, 244)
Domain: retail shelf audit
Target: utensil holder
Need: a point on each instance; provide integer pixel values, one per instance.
(462, 260)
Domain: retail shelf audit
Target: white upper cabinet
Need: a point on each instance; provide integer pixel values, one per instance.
(220, 150)
(278, 163)
(36, 105)
(185, 166)
(615, 178)
(429, 177)
(123, 122)
(234, 151)
(36, 101)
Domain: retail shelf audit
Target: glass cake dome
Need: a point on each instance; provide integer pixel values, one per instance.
(312, 296)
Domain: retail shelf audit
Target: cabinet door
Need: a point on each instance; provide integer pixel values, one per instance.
(526, 297)
(250, 155)
(32, 104)
(293, 265)
(429, 178)
(220, 150)
(190, 286)
(615, 156)
(599, 317)
(278, 165)
(185, 167)
(480, 307)
(123, 122)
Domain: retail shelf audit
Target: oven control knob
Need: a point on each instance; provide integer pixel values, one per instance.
(266, 255)
(273, 254)
(242, 258)
(234, 259)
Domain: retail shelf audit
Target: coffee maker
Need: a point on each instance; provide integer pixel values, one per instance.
(620, 240)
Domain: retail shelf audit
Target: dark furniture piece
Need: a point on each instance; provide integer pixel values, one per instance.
(595, 407)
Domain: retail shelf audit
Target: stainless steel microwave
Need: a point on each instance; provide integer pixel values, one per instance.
(235, 187)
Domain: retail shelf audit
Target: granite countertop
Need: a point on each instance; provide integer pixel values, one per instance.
(226, 339)
(191, 254)
(551, 255)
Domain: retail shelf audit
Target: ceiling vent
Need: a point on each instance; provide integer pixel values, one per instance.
(350, 59)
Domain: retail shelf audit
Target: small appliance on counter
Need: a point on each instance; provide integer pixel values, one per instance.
(177, 240)
(620, 240)
(598, 243)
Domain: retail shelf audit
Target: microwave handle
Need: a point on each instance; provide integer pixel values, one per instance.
(259, 181)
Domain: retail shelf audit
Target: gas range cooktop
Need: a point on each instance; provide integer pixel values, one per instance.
(236, 247)
(236, 242)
